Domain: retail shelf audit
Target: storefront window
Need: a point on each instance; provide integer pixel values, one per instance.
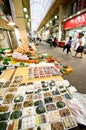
(74, 7)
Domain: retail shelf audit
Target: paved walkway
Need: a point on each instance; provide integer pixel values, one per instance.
(78, 77)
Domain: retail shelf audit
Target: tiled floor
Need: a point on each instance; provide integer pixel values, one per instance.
(78, 77)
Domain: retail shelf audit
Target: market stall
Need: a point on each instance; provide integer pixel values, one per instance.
(33, 91)
(11, 62)
(28, 104)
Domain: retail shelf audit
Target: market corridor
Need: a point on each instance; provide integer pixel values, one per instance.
(78, 77)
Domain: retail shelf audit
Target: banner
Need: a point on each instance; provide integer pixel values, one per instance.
(75, 22)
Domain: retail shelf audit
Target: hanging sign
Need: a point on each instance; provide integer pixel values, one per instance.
(75, 22)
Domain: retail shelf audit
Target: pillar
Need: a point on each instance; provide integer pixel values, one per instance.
(60, 22)
(20, 22)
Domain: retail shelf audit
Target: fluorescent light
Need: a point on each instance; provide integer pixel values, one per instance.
(25, 9)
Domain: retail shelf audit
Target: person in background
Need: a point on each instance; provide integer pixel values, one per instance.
(68, 45)
(80, 48)
(55, 42)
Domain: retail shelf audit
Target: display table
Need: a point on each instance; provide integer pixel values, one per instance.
(24, 72)
(30, 103)
(7, 75)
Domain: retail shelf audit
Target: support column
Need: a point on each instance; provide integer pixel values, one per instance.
(20, 21)
(60, 22)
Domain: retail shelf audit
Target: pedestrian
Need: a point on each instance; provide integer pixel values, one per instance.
(55, 42)
(81, 46)
(68, 45)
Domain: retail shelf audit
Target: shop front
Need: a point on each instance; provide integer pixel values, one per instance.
(76, 25)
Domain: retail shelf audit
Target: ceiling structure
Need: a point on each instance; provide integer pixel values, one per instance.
(52, 12)
(38, 10)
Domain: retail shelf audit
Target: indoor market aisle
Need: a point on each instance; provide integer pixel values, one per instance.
(78, 77)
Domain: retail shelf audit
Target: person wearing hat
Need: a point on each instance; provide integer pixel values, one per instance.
(80, 48)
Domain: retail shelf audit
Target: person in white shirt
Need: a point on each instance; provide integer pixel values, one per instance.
(80, 48)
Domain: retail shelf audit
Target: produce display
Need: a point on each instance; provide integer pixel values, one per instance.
(19, 59)
(57, 126)
(30, 105)
(60, 104)
(43, 70)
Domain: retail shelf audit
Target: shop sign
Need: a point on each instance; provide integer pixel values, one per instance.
(75, 22)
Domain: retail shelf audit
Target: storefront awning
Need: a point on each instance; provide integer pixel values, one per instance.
(75, 22)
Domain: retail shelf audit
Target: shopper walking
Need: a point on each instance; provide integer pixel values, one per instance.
(80, 48)
(68, 45)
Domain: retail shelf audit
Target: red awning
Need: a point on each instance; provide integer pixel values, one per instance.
(75, 22)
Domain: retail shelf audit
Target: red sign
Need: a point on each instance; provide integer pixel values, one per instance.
(75, 22)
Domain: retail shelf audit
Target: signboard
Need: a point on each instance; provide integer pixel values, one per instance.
(75, 22)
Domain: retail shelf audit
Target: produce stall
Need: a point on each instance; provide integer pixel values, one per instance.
(9, 62)
(33, 91)
(29, 104)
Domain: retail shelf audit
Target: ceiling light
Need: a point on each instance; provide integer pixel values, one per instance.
(47, 25)
(26, 15)
(50, 21)
(28, 24)
(55, 17)
(25, 9)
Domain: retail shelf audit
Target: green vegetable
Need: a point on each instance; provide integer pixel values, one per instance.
(21, 64)
(7, 59)
(5, 62)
